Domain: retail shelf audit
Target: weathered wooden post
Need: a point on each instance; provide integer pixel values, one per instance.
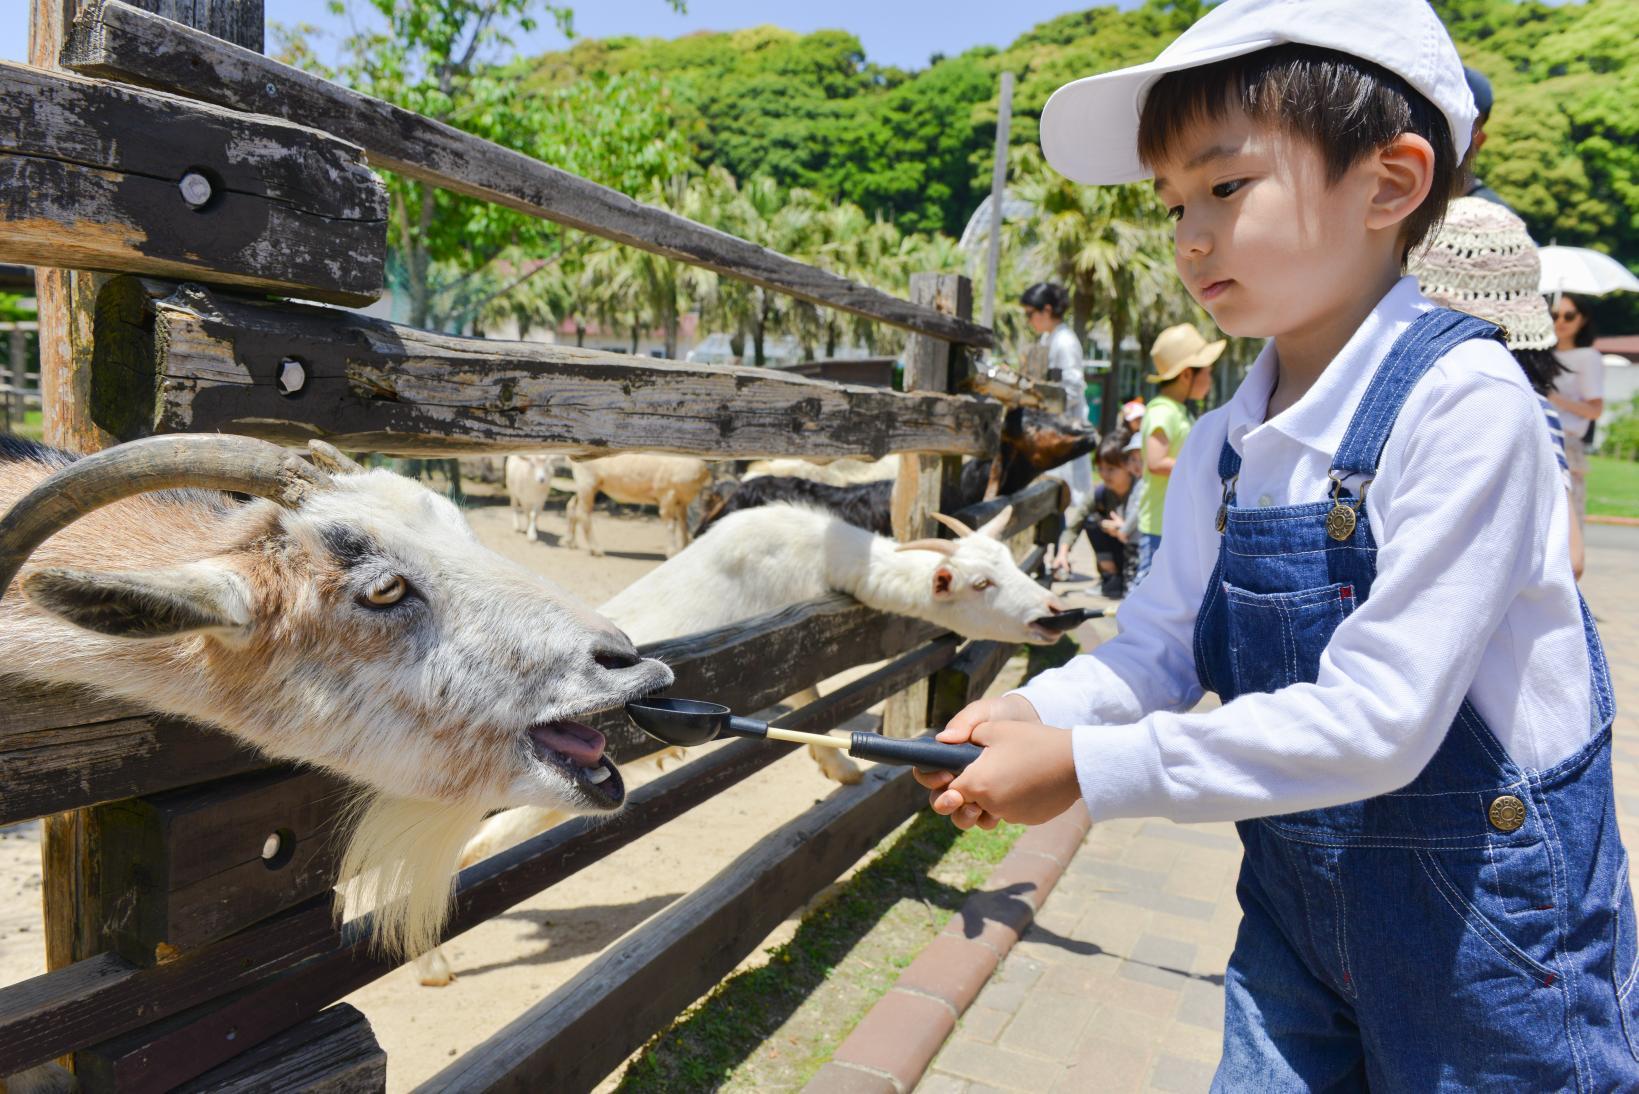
(916, 492)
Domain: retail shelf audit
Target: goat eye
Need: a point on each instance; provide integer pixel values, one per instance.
(982, 583)
(387, 591)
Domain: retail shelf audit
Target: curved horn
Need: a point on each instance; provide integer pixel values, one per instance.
(327, 457)
(201, 460)
(953, 524)
(939, 546)
(996, 525)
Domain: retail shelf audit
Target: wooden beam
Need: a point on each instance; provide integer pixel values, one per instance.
(106, 996)
(201, 361)
(102, 176)
(919, 486)
(581, 1032)
(334, 1052)
(117, 40)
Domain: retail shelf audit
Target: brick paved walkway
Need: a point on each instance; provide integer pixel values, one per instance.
(1118, 985)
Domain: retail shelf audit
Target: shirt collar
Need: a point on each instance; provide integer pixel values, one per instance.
(1319, 419)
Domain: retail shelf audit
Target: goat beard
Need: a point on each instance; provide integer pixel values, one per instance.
(400, 864)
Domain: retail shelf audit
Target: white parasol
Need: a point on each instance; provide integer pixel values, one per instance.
(1584, 272)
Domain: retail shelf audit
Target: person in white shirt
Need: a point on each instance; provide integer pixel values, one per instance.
(1045, 305)
(1366, 558)
(1579, 394)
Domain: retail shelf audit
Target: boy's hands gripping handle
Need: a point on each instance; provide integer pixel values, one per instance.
(922, 752)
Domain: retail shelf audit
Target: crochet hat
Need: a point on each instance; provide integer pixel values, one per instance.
(1484, 263)
(1179, 348)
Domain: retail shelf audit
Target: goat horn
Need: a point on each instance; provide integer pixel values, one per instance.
(954, 525)
(996, 525)
(941, 546)
(327, 457)
(202, 460)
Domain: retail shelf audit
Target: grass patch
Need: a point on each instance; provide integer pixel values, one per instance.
(772, 1027)
(1613, 487)
(32, 428)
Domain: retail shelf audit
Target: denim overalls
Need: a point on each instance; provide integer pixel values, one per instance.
(1470, 931)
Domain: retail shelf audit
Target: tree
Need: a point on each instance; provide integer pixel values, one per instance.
(438, 58)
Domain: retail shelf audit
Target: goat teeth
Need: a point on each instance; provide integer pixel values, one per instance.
(597, 774)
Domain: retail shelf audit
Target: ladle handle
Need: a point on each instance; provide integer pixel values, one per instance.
(923, 752)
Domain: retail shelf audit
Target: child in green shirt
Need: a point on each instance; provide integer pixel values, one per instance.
(1183, 368)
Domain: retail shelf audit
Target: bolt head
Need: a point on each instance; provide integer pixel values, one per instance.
(196, 189)
(292, 376)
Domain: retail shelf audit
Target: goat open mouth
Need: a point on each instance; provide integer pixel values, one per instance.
(577, 750)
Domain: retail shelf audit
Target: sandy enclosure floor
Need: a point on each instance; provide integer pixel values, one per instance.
(516, 959)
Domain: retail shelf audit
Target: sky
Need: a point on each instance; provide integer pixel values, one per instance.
(894, 32)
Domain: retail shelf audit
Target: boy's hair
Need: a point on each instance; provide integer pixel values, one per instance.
(1346, 107)
(1112, 449)
(1541, 368)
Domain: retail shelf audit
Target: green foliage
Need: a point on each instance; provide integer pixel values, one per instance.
(811, 111)
(439, 58)
(13, 309)
(1621, 434)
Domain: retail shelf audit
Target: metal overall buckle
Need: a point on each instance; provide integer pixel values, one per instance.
(1223, 503)
(1341, 521)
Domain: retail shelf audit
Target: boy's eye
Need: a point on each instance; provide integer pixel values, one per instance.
(1225, 189)
(1175, 213)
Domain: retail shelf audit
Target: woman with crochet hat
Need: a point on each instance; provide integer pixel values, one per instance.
(1484, 263)
(1183, 368)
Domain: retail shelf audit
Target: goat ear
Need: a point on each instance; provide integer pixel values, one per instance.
(944, 580)
(141, 604)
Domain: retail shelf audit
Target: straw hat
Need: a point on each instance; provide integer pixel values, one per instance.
(1179, 348)
(1483, 262)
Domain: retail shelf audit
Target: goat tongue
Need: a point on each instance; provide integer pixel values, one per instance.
(581, 743)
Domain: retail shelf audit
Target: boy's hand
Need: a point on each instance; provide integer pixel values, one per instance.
(1002, 708)
(1026, 775)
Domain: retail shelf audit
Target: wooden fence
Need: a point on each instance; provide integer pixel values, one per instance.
(188, 179)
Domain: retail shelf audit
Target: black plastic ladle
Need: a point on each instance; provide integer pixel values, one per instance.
(689, 722)
(1068, 620)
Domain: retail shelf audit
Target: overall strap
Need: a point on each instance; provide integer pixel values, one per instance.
(1433, 335)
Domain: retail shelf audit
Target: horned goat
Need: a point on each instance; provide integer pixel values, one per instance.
(764, 559)
(344, 618)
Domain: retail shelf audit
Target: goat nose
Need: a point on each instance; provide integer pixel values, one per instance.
(614, 660)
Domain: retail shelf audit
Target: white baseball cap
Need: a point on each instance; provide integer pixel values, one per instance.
(1089, 128)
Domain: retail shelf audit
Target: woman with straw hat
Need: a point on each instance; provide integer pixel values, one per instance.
(1183, 367)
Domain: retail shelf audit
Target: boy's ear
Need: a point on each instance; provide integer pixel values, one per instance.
(1405, 173)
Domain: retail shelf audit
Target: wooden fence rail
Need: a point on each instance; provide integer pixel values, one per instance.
(104, 176)
(116, 40)
(194, 360)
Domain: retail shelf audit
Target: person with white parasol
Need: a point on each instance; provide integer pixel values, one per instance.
(1571, 275)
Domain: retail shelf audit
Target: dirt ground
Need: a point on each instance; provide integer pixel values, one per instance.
(516, 959)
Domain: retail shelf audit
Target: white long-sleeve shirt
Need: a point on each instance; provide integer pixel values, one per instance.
(1473, 596)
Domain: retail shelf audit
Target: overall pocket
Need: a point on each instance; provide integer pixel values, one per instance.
(1625, 959)
(1496, 904)
(1275, 639)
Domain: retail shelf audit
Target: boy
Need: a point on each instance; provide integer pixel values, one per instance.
(1366, 558)
(1183, 368)
(1119, 467)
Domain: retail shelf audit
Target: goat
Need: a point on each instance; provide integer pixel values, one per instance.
(529, 486)
(344, 618)
(638, 478)
(1032, 441)
(760, 560)
(843, 472)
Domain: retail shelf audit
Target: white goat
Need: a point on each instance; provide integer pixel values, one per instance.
(761, 560)
(353, 622)
(529, 487)
(842, 472)
(638, 478)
